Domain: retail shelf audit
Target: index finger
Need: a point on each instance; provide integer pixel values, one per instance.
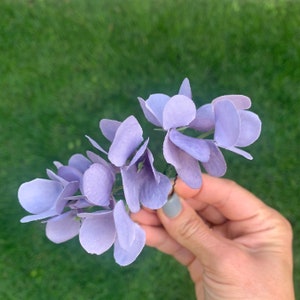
(229, 198)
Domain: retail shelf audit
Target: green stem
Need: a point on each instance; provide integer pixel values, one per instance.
(206, 134)
(182, 129)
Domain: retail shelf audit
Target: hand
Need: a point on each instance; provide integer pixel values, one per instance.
(234, 245)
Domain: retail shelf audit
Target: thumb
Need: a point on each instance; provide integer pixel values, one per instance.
(184, 225)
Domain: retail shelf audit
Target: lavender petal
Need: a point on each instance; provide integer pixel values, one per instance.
(69, 173)
(205, 119)
(79, 162)
(41, 216)
(63, 227)
(97, 184)
(109, 128)
(131, 187)
(227, 127)
(95, 144)
(179, 111)
(69, 190)
(39, 195)
(139, 153)
(187, 167)
(239, 101)
(95, 158)
(154, 195)
(145, 185)
(240, 152)
(149, 162)
(97, 233)
(127, 138)
(153, 108)
(195, 147)
(250, 128)
(124, 225)
(216, 165)
(126, 256)
(185, 88)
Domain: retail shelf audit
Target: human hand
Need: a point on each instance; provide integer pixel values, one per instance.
(234, 245)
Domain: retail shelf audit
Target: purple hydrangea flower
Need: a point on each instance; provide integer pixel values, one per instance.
(45, 198)
(96, 181)
(142, 184)
(79, 198)
(128, 151)
(54, 199)
(234, 126)
(182, 151)
(102, 229)
(63, 227)
(97, 184)
(125, 138)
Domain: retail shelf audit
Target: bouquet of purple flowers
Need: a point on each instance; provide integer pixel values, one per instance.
(80, 197)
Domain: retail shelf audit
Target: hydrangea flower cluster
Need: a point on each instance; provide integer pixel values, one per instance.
(80, 197)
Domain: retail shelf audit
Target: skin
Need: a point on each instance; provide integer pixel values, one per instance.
(234, 245)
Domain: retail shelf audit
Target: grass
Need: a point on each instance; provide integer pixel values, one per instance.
(64, 65)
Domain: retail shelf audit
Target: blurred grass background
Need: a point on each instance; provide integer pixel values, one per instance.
(66, 64)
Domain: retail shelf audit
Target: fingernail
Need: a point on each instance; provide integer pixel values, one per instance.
(173, 207)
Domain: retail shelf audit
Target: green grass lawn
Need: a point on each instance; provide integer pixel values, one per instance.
(64, 65)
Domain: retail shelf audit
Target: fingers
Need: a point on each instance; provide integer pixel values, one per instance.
(158, 238)
(146, 217)
(228, 198)
(218, 201)
(186, 227)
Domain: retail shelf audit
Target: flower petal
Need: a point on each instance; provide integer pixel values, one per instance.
(187, 167)
(39, 195)
(95, 144)
(95, 158)
(216, 165)
(97, 233)
(63, 227)
(69, 190)
(250, 128)
(154, 186)
(205, 118)
(149, 160)
(43, 215)
(131, 187)
(239, 101)
(227, 127)
(139, 153)
(109, 128)
(124, 225)
(97, 184)
(240, 152)
(145, 185)
(127, 138)
(153, 108)
(179, 111)
(55, 177)
(195, 147)
(154, 195)
(80, 162)
(125, 256)
(69, 173)
(185, 88)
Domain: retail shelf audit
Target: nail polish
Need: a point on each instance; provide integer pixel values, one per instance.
(173, 207)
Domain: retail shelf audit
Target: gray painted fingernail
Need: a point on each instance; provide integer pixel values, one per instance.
(173, 207)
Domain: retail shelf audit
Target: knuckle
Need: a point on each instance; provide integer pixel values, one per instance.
(287, 227)
(190, 228)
